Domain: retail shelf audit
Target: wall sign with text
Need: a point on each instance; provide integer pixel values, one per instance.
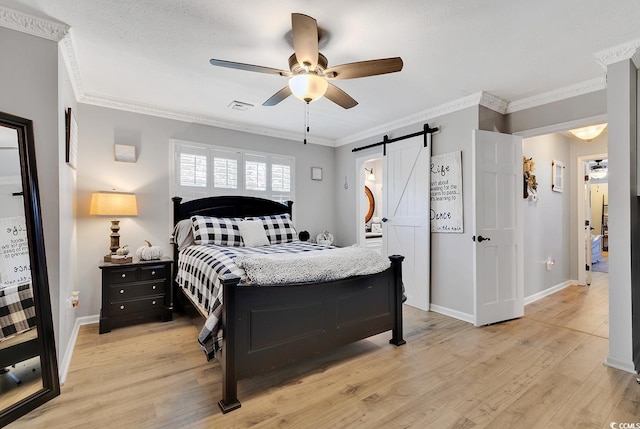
(15, 268)
(446, 193)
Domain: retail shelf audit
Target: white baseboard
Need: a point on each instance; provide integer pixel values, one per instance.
(528, 300)
(618, 364)
(452, 313)
(66, 359)
(549, 291)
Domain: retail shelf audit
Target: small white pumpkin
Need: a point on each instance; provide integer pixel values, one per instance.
(123, 251)
(149, 252)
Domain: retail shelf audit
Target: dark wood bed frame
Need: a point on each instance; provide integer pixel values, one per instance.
(257, 320)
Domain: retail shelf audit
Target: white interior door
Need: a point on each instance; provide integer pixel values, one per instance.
(586, 207)
(406, 232)
(498, 253)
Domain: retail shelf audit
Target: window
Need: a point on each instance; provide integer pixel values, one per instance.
(255, 176)
(225, 173)
(193, 170)
(202, 170)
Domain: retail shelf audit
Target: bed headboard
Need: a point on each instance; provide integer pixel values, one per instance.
(228, 206)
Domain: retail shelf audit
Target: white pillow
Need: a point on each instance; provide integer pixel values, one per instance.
(253, 233)
(183, 234)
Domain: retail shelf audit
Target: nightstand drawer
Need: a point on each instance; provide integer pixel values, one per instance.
(152, 272)
(135, 306)
(122, 275)
(124, 292)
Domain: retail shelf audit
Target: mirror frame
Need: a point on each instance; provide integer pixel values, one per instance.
(39, 277)
(372, 204)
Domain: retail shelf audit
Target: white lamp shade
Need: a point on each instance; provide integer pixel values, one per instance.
(113, 204)
(308, 86)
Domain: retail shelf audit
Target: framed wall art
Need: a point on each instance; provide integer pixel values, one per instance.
(316, 173)
(71, 127)
(557, 178)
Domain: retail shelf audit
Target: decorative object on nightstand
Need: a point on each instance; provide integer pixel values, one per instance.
(137, 292)
(325, 238)
(149, 252)
(114, 204)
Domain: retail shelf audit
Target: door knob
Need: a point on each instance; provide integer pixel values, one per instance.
(384, 219)
(481, 239)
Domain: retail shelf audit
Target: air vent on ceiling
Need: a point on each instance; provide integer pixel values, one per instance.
(239, 105)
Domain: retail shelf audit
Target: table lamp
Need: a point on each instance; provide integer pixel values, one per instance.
(114, 204)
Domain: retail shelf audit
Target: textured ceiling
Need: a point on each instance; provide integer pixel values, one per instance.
(154, 55)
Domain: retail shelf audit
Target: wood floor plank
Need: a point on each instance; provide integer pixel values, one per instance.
(542, 370)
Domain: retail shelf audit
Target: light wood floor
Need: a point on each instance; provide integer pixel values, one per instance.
(541, 371)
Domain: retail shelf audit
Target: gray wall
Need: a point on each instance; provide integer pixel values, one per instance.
(547, 222)
(149, 178)
(29, 88)
(68, 251)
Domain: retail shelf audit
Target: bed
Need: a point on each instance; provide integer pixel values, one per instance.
(257, 333)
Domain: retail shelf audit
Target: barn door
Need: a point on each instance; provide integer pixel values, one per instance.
(406, 229)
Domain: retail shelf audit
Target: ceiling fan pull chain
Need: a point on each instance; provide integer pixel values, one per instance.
(306, 121)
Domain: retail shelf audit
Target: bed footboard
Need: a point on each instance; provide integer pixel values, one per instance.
(259, 335)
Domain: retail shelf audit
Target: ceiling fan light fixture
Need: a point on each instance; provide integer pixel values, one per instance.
(589, 133)
(308, 87)
(598, 174)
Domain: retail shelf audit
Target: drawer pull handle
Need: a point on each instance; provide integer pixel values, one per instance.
(121, 290)
(153, 273)
(154, 287)
(124, 275)
(122, 307)
(153, 302)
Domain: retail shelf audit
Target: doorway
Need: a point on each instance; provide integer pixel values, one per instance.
(592, 221)
(370, 202)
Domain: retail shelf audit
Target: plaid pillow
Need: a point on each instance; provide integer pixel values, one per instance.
(216, 230)
(279, 228)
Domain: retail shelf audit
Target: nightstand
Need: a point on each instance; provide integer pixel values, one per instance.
(136, 292)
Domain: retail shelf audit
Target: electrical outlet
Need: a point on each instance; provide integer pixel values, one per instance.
(550, 263)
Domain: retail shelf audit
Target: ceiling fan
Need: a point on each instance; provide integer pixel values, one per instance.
(598, 171)
(308, 71)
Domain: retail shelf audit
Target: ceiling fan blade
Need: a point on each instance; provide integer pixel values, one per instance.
(364, 68)
(248, 67)
(278, 96)
(340, 97)
(305, 39)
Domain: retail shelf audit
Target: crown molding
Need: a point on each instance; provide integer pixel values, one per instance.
(477, 99)
(494, 103)
(25, 23)
(68, 52)
(558, 94)
(129, 106)
(625, 51)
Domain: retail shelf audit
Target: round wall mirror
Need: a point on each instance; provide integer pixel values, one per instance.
(372, 204)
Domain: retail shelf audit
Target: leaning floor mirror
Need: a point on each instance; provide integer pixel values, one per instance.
(28, 366)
